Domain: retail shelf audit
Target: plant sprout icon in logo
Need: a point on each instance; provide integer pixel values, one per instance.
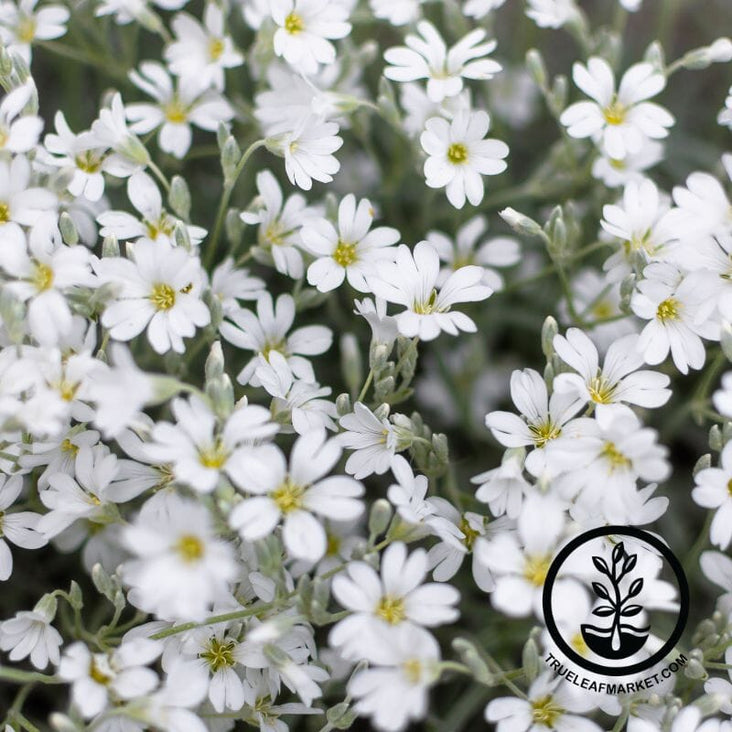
(620, 639)
(615, 600)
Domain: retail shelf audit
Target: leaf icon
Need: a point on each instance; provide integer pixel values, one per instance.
(618, 552)
(635, 588)
(603, 611)
(600, 590)
(630, 563)
(631, 610)
(601, 565)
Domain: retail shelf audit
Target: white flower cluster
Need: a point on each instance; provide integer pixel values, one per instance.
(250, 531)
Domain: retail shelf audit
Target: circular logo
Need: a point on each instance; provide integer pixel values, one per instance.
(615, 600)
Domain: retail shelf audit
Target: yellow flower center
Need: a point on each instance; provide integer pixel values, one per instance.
(162, 296)
(614, 113)
(164, 225)
(536, 568)
(42, 278)
(70, 447)
(88, 161)
(640, 242)
(213, 456)
(294, 24)
(26, 29)
(4, 213)
(391, 609)
(603, 309)
(270, 346)
(578, 643)
(428, 306)
(616, 458)
(215, 49)
(288, 496)
(469, 534)
(175, 112)
(412, 670)
(219, 654)
(544, 432)
(190, 548)
(617, 164)
(668, 310)
(601, 390)
(545, 711)
(96, 674)
(729, 486)
(457, 153)
(67, 390)
(345, 253)
(4, 137)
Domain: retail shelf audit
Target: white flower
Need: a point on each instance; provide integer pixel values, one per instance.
(397, 12)
(722, 398)
(202, 52)
(44, 273)
(411, 281)
(725, 115)
(179, 569)
(176, 108)
(384, 330)
(304, 28)
(382, 603)
(619, 121)
(154, 224)
(18, 132)
(372, 439)
(299, 402)
(349, 252)
(119, 392)
(197, 449)
(550, 705)
(551, 13)
(608, 454)
(308, 151)
(642, 223)
(20, 205)
(21, 24)
(393, 690)
(87, 497)
(429, 58)
(30, 633)
(294, 494)
(160, 290)
(100, 678)
(520, 562)
(676, 307)
(86, 156)
(409, 496)
(704, 207)
(18, 528)
(278, 233)
(267, 331)
(110, 129)
(712, 491)
(458, 155)
(614, 173)
(543, 417)
(468, 530)
(218, 653)
(499, 251)
(481, 8)
(230, 283)
(618, 381)
(503, 488)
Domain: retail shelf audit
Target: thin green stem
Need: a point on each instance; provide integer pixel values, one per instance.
(225, 198)
(18, 676)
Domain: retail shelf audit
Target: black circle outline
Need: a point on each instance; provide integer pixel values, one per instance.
(668, 555)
